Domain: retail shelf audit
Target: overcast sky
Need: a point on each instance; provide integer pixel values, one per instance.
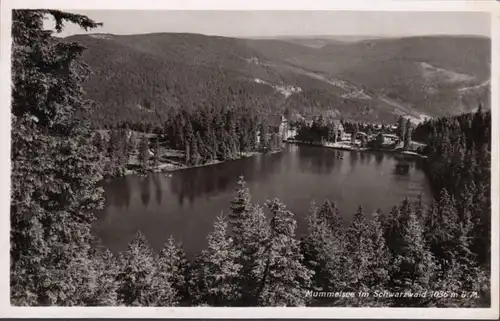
(282, 23)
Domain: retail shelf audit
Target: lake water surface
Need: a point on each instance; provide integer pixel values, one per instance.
(186, 204)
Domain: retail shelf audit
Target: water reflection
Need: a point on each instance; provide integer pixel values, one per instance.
(362, 157)
(158, 189)
(119, 193)
(145, 185)
(318, 160)
(379, 158)
(211, 180)
(419, 164)
(402, 168)
(186, 203)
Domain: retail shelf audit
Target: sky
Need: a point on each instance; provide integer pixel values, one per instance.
(287, 23)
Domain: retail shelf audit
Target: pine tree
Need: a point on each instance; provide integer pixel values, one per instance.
(323, 248)
(213, 278)
(173, 263)
(379, 140)
(482, 224)
(250, 231)
(195, 157)
(363, 141)
(102, 291)
(401, 131)
(188, 142)
(264, 136)
(360, 248)
(332, 132)
(420, 210)
(380, 257)
(407, 134)
(330, 214)
(144, 151)
(431, 222)
(393, 229)
(117, 151)
(285, 278)
(157, 152)
(354, 133)
(253, 245)
(446, 229)
(55, 168)
(141, 283)
(99, 142)
(462, 272)
(415, 266)
(232, 134)
(240, 207)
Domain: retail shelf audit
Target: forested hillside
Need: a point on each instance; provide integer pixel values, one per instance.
(253, 257)
(145, 77)
(459, 160)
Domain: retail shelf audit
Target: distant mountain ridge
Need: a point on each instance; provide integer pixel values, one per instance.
(377, 80)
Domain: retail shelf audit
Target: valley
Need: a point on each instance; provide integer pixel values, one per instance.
(144, 78)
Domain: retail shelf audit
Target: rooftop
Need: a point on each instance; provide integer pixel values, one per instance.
(391, 135)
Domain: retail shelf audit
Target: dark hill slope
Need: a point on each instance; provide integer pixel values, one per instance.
(144, 76)
(442, 75)
(436, 75)
(134, 84)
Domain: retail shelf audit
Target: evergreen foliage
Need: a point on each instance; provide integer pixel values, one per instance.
(55, 167)
(407, 134)
(144, 151)
(286, 279)
(175, 267)
(141, 281)
(216, 269)
(252, 259)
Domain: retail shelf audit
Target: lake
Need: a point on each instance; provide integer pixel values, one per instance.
(186, 204)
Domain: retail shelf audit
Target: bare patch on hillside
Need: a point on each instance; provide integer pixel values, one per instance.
(101, 36)
(285, 90)
(442, 75)
(356, 95)
(477, 87)
(144, 108)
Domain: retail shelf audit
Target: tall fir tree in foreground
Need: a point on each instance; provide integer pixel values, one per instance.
(285, 280)
(359, 248)
(214, 276)
(142, 281)
(55, 167)
(324, 251)
(379, 265)
(102, 290)
(414, 265)
(251, 234)
(172, 262)
(240, 209)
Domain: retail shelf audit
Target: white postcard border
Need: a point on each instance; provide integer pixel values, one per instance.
(205, 312)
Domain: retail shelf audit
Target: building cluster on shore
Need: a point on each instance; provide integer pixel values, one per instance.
(372, 136)
(148, 152)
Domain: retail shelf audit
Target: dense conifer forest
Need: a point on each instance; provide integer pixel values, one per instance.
(203, 137)
(141, 78)
(253, 256)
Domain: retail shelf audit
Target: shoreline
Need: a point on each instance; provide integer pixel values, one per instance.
(358, 149)
(169, 167)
